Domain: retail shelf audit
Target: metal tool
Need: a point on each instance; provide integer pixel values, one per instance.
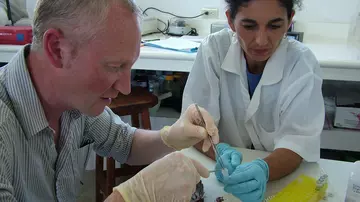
(214, 171)
(212, 143)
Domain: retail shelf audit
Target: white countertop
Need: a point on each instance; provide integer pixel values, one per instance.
(335, 55)
(339, 61)
(329, 55)
(337, 171)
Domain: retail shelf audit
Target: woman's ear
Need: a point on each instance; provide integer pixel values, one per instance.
(230, 20)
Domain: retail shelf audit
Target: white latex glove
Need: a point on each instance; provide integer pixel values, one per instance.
(187, 131)
(172, 178)
(3, 17)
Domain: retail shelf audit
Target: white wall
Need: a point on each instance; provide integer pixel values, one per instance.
(329, 11)
(181, 7)
(316, 15)
(337, 11)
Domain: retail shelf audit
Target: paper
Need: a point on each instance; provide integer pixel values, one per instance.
(197, 39)
(176, 44)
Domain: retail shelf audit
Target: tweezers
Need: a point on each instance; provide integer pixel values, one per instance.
(203, 124)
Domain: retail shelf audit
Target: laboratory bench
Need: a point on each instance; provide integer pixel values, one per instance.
(339, 62)
(338, 174)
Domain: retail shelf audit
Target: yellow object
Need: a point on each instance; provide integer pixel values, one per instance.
(169, 77)
(303, 189)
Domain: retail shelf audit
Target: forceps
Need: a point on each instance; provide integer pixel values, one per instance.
(212, 143)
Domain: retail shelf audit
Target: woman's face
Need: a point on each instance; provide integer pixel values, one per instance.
(260, 25)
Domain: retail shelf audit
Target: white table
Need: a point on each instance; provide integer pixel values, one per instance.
(338, 175)
(338, 61)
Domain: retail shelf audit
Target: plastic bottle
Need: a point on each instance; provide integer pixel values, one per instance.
(354, 31)
(169, 79)
(30, 7)
(353, 188)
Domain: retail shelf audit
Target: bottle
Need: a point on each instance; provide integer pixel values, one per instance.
(354, 31)
(353, 189)
(169, 79)
(30, 7)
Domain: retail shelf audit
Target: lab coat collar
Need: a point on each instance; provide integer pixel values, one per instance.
(234, 58)
(274, 69)
(235, 62)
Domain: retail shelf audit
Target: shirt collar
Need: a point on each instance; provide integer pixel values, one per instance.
(24, 98)
(25, 101)
(235, 62)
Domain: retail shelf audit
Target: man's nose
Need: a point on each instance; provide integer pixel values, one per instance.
(123, 84)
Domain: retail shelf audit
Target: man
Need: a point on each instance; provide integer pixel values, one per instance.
(19, 12)
(52, 99)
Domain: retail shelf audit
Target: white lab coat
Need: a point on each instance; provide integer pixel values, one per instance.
(287, 107)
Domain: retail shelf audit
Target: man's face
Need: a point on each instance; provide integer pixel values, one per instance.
(102, 68)
(260, 26)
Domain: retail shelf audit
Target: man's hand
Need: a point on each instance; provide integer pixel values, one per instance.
(115, 197)
(172, 178)
(210, 153)
(187, 131)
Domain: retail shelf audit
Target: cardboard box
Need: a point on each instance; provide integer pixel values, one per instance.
(347, 114)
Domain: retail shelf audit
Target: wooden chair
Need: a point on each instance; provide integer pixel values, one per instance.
(137, 102)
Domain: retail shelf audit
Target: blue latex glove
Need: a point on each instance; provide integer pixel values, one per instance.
(248, 181)
(230, 157)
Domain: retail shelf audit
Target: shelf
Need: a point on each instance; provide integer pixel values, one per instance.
(341, 139)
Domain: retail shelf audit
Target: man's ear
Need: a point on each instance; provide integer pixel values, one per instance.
(56, 47)
(230, 20)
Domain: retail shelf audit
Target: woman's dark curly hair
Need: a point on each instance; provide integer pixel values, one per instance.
(234, 5)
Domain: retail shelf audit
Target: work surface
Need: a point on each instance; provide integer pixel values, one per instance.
(338, 61)
(338, 175)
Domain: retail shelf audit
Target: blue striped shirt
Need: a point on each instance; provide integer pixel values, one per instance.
(31, 168)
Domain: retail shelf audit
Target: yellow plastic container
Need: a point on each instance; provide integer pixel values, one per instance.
(302, 189)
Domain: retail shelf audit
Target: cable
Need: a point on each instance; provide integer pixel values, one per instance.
(142, 11)
(166, 29)
(193, 32)
(161, 11)
(8, 7)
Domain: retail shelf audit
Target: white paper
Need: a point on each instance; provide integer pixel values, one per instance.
(175, 44)
(197, 39)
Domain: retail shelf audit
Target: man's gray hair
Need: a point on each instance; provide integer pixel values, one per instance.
(75, 17)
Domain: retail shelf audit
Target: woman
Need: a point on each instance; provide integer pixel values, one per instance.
(264, 92)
